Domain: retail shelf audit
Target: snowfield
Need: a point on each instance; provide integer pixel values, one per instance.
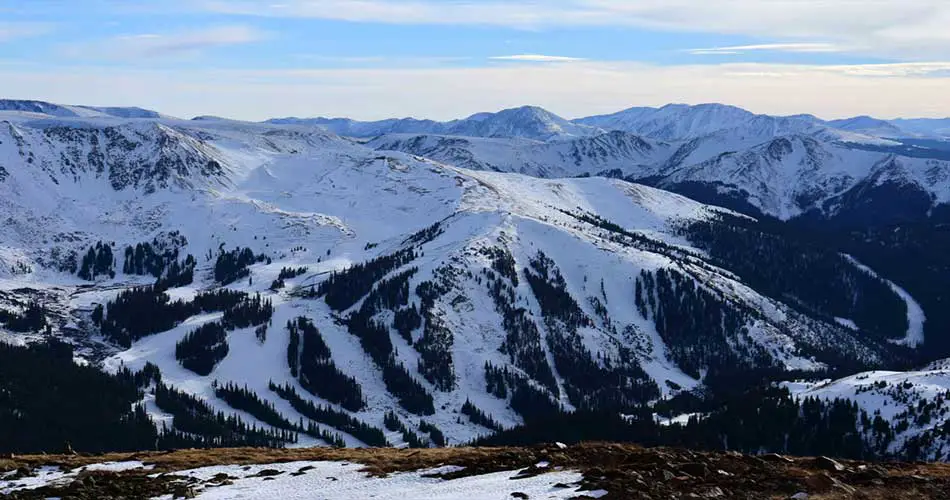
(344, 481)
(332, 481)
(53, 476)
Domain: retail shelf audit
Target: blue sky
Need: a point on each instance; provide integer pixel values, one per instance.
(254, 59)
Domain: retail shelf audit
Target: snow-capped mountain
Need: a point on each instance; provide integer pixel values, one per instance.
(783, 176)
(462, 299)
(791, 175)
(45, 108)
(352, 128)
(677, 122)
(868, 126)
(528, 122)
(613, 151)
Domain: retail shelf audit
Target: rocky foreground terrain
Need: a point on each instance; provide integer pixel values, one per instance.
(596, 470)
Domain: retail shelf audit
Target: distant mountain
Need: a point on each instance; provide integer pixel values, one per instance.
(868, 126)
(63, 111)
(683, 122)
(617, 152)
(794, 174)
(528, 122)
(926, 127)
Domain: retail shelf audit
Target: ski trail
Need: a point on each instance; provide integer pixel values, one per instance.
(915, 313)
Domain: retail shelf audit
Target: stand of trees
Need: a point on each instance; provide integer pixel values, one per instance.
(526, 398)
(251, 311)
(477, 416)
(603, 383)
(345, 288)
(242, 398)
(310, 360)
(392, 423)
(375, 340)
(765, 419)
(98, 261)
(287, 273)
(326, 415)
(407, 320)
(522, 341)
(159, 258)
(437, 436)
(786, 268)
(411, 394)
(143, 311)
(194, 417)
(203, 348)
(696, 325)
(48, 403)
(32, 319)
(232, 266)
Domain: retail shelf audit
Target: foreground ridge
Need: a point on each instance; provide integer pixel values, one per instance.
(590, 470)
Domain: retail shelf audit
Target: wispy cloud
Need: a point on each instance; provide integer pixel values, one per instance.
(919, 70)
(536, 58)
(895, 28)
(769, 47)
(143, 45)
(12, 31)
(516, 13)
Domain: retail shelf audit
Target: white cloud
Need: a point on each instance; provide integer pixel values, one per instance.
(12, 31)
(898, 28)
(535, 58)
(149, 45)
(769, 47)
(577, 89)
(525, 14)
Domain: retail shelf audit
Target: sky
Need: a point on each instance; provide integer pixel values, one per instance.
(444, 59)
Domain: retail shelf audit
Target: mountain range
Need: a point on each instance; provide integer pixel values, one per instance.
(412, 282)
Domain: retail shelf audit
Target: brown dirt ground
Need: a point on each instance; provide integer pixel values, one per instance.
(625, 471)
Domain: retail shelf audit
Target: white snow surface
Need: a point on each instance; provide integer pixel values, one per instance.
(53, 476)
(344, 481)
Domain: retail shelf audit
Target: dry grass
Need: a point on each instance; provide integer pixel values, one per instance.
(626, 471)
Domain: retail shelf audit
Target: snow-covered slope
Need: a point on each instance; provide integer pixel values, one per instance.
(556, 287)
(618, 152)
(915, 403)
(529, 122)
(64, 111)
(790, 175)
(683, 122)
(868, 126)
